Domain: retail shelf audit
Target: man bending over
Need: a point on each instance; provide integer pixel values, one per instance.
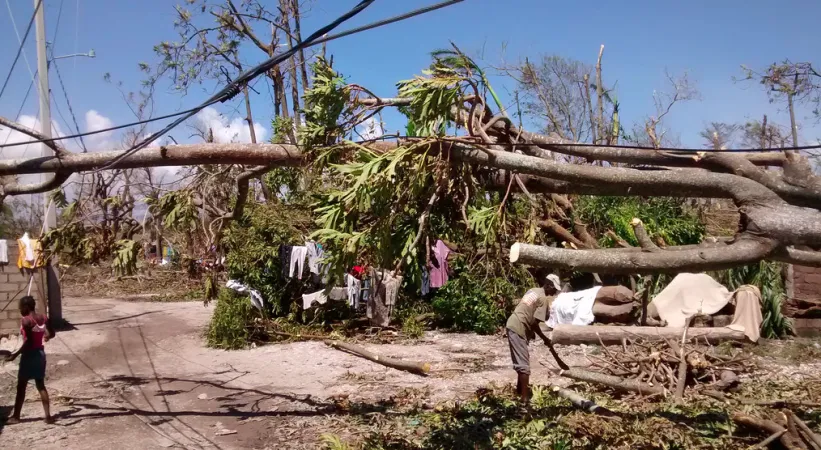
(523, 325)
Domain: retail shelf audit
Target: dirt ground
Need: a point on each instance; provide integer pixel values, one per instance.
(136, 375)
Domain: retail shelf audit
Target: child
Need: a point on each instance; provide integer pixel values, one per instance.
(36, 329)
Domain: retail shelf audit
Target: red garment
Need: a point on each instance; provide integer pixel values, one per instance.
(37, 322)
(357, 271)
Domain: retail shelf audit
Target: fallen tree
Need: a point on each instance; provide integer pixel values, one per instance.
(779, 216)
(614, 335)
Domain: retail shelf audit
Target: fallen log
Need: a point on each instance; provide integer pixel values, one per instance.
(580, 402)
(789, 441)
(418, 368)
(613, 334)
(612, 381)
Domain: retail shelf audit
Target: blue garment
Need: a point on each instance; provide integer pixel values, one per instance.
(425, 281)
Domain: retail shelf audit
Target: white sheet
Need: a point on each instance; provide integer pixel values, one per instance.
(575, 308)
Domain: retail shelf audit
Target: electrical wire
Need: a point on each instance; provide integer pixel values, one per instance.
(305, 43)
(104, 130)
(20, 48)
(70, 109)
(19, 110)
(19, 39)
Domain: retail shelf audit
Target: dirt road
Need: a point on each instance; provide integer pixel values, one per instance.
(136, 375)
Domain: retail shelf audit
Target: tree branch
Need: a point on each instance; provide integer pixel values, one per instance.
(641, 235)
(746, 250)
(34, 188)
(171, 155)
(58, 150)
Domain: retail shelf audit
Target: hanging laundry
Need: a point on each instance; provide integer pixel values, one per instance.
(4, 252)
(285, 259)
(256, 298)
(365, 293)
(298, 254)
(425, 281)
(439, 266)
(357, 271)
(385, 288)
(338, 294)
(318, 296)
(30, 253)
(315, 253)
(354, 286)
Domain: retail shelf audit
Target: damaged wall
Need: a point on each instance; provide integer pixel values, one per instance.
(804, 299)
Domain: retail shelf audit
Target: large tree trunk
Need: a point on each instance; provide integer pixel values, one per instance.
(613, 335)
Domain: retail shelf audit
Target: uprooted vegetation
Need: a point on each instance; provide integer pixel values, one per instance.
(769, 398)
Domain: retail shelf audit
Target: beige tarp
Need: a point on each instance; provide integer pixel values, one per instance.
(689, 294)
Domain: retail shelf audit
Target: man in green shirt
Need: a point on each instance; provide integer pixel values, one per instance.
(523, 325)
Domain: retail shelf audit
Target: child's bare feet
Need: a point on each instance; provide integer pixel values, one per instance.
(49, 420)
(12, 420)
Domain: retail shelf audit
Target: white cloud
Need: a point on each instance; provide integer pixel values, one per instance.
(235, 130)
(96, 121)
(371, 129)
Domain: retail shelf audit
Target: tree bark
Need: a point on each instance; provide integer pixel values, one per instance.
(418, 368)
(613, 334)
(641, 235)
(171, 155)
(611, 381)
(743, 251)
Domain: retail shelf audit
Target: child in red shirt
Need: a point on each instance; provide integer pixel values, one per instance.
(36, 330)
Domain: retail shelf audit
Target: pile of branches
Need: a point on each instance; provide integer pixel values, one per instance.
(690, 369)
(670, 367)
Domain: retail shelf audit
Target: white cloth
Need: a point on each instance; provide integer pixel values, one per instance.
(256, 297)
(318, 296)
(338, 294)
(354, 287)
(4, 252)
(26, 240)
(690, 294)
(298, 260)
(574, 308)
(314, 255)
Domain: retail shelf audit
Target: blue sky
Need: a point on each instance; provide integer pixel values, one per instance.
(643, 38)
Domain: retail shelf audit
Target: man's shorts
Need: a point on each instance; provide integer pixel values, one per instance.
(519, 352)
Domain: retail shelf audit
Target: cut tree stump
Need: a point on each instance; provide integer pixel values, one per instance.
(612, 334)
(419, 368)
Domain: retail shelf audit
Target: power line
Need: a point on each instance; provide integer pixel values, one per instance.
(19, 110)
(237, 82)
(70, 109)
(104, 130)
(19, 39)
(57, 26)
(20, 48)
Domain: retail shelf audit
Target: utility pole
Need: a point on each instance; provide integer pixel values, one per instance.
(55, 307)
